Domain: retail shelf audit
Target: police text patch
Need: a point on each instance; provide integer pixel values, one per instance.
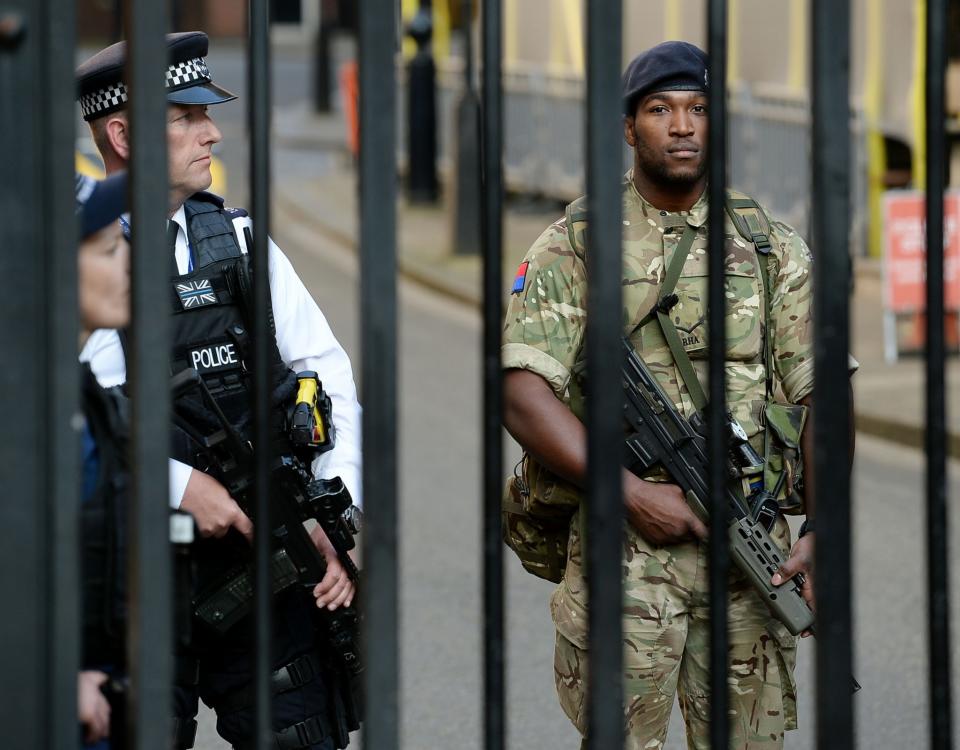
(196, 293)
(214, 357)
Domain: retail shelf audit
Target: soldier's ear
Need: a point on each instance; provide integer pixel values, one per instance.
(629, 133)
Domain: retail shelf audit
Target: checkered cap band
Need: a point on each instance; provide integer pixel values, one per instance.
(104, 100)
(179, 75)
(187, 72)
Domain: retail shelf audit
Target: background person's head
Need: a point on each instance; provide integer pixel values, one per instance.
(103, 256)
(665, 117)
(191, 133)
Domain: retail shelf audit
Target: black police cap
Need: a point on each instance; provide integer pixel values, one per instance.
(670, 66)
(101, 88)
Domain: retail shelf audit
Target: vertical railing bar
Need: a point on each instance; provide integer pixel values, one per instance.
(935, 442)
(491, 223)
(378, 314)
(62, 387)
(719, 549)
(150, 628)
(258, 119)
(831, 412)
(22, 434)
(604, 505)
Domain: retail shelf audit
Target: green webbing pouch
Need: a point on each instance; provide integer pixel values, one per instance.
(536, 510)
(783, 464)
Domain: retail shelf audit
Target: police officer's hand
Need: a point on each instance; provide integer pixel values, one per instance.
(336, 589)
(660, 513)
(93, 711)
(800, 561)
(212, 507)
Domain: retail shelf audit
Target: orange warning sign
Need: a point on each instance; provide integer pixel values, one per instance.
(904, 261)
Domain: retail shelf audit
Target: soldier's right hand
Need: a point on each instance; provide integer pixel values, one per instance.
(660, 513)
(212, 507)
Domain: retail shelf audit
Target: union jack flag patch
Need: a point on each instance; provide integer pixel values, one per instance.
(197, 293)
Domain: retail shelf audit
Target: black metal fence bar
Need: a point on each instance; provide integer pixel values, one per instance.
(258, 118)
(60, 374)
(150, 643)
(719, 559)
(39, 444)
(494, 726)
(936, 478)
(830, 34)
(378, 310)
(604, 540)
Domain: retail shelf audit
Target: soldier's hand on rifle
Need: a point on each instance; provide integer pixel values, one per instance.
(212, 507)
(336, 589)
(93, 710)
(800, 561)
(659, 511)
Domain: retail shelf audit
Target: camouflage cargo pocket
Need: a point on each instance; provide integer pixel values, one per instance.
(783, 462)
(535, 519)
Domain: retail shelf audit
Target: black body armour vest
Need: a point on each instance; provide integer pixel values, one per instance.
(212, 316)
(103, 523)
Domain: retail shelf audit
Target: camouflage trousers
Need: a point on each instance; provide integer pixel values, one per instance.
(666, 655)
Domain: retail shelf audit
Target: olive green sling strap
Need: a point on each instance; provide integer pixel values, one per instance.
(752, 224)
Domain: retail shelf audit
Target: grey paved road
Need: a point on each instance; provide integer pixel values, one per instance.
(440, 553)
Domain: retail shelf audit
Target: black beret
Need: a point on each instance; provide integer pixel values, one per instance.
(670, 66)
(101, 89)
(100, 203)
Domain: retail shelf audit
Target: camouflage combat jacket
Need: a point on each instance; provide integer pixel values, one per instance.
(545, 320)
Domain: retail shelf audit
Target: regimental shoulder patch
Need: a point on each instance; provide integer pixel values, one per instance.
(196, 293)
(521, 278)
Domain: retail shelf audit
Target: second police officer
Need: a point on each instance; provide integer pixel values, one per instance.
(210, 324)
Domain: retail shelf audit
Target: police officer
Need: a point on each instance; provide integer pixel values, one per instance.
(769, 364)
(104, 302)
(207, 243)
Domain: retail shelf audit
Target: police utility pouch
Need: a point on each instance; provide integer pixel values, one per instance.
(536, 510)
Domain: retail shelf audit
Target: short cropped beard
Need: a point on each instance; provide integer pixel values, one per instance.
(654, 166)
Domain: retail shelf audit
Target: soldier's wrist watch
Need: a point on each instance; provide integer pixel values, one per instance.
(806, 528)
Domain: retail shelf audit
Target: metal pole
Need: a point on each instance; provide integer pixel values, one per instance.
(321, 57)
(831, 225)
(150, 642)
(422, 184)
(719, 550)
(60, 374)
(378, 313)
(491, 227)
(466, 219)
(258, 119)
(604, 506)
(40, 447)
(938, 579)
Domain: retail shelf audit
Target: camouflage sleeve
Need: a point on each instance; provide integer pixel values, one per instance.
(546, 312)
(791, 306)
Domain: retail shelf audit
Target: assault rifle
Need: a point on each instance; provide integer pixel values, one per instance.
(295, 497)
(660, 436)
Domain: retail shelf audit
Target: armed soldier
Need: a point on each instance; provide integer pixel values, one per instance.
(211, 323)
(769, 364)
